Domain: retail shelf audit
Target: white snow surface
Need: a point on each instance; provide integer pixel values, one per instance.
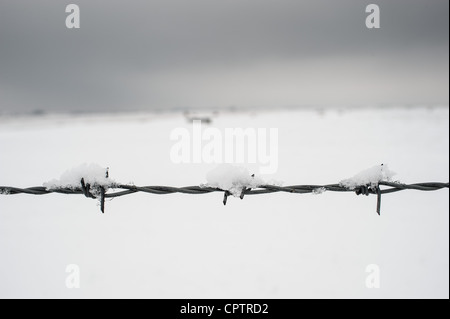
(371, 176)
(92, 174)
(233, 178)
(276, 245)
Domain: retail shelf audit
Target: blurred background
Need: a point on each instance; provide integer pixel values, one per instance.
(340, 95)
(166, 55)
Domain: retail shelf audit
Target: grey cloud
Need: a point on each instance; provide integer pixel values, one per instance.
(164, 54)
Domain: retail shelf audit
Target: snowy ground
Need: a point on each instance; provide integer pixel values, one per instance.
(269, 246)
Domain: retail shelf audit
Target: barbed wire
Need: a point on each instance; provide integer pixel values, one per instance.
(101, 192)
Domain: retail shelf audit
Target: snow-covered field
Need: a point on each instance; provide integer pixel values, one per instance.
(269, 246)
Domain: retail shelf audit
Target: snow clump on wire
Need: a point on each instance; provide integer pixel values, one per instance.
(369, 177)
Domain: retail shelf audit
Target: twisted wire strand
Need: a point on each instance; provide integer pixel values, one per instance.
(99, 192)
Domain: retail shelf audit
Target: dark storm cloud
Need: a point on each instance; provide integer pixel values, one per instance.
(161, 54)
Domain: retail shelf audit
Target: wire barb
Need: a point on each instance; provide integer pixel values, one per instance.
(86, 189)
(102, 200)
(243, 192)
(225, 197)
(378, 191)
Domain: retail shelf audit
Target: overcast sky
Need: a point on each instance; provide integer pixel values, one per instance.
(131, 55)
